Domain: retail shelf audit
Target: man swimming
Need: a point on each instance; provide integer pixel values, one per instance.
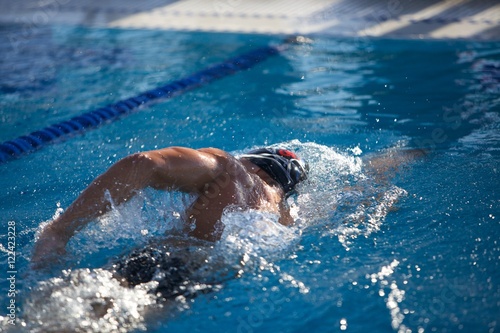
(260, 179)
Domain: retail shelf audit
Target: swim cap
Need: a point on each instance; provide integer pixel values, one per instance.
(282, 165)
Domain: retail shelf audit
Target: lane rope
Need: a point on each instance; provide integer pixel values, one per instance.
(31, 142)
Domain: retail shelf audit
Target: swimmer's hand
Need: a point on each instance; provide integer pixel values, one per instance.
(49, 247)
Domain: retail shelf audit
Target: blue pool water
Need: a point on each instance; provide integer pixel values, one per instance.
(418, 252)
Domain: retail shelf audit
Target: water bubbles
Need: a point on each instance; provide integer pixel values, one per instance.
(88, 300)
(356, 151)
(391, 293)
(339, 189)
(251, 236)
(289, 279)
(149, 214)
(343, 324)
(251, 244)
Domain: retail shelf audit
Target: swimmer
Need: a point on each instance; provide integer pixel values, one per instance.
(261, 179)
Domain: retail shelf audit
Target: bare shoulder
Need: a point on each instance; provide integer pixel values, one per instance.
(224, 158)
(181, 155)
(216, 152)
(184, 168)
(233, 168)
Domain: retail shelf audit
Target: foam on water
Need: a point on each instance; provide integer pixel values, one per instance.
(148, 215)
(339, 189)
(91, 300)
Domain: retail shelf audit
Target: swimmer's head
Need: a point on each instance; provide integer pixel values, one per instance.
(286, 168)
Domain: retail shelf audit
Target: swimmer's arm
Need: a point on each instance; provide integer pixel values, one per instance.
(184, 169)
(383, 167)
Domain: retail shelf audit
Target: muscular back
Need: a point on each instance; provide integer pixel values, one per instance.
(236, 184)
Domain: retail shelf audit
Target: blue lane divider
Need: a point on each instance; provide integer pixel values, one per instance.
(35, 140)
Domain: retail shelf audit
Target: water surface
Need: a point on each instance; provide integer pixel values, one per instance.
(419, 252)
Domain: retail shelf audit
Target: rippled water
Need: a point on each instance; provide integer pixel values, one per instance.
(414, 249)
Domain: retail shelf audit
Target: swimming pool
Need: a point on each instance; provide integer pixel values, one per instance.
(418, 253)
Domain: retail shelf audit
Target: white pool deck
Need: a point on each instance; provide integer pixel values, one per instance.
(420, 19)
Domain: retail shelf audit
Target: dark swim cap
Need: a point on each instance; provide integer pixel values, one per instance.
(282, 165)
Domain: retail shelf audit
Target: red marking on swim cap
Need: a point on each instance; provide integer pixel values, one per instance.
(288, 154)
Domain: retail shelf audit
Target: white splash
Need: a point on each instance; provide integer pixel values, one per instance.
(91, 300)
(87, 301)
(252, 240)
(369, 214)
(149, 214)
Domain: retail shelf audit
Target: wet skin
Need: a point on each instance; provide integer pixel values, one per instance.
(218, 179)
